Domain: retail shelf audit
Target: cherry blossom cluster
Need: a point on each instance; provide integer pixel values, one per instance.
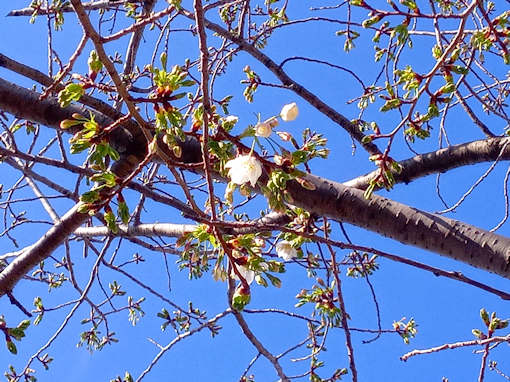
(246, 168)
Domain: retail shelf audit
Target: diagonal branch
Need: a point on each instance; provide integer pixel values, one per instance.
(259, 346)
(43, 248)
(287, 81)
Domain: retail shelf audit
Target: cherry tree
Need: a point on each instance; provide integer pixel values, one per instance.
(175, 128)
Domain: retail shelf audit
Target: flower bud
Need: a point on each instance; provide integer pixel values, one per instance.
(289, 112)
(284, 136)
(273, 122)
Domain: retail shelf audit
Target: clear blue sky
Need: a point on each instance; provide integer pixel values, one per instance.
(445, 310)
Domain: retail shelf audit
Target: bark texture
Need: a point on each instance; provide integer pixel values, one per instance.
(452, 238)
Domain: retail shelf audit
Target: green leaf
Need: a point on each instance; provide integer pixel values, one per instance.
(11, 347)
(16, 127)
(241, 298)
(187, 83)
(274, 280)
(79, 147)
(95, 64)
(484, 316)
(371, 21)
(111, 222)
(68, 123)
(123, 212)
(437, 52)
(448, 88)
(17, 333)
(391, 104)
(109, 179)
(38, 319)
(163, 58)
(71, 92)
(89, 197)
(85, 208)
(409, 4)
(24, 324)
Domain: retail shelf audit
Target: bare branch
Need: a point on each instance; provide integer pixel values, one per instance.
(455, 345)
(90, 6)
(287, 81)
(156, 229)
(259, 346)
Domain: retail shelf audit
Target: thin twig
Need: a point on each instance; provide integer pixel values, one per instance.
(492, 340)
(177, 339)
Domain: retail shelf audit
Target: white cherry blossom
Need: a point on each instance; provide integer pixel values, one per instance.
(231, 119)
(263, 129)
(244, 168)
(247, 274)
(285, 250)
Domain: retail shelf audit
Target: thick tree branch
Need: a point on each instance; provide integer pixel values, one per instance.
(49, 113)
(443, 160)
(14, 100)
(43, 79)
(408, 225)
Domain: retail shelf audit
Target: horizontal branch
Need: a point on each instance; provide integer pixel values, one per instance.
(487, 341)
(443, 160)
(452, 238)
(90, 6)
(155, 229)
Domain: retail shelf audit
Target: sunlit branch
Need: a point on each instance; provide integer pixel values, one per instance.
(90, 6)
(155, 229)
(455, 345)
(259, 346)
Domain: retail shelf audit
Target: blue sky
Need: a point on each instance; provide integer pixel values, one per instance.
(445, 310)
